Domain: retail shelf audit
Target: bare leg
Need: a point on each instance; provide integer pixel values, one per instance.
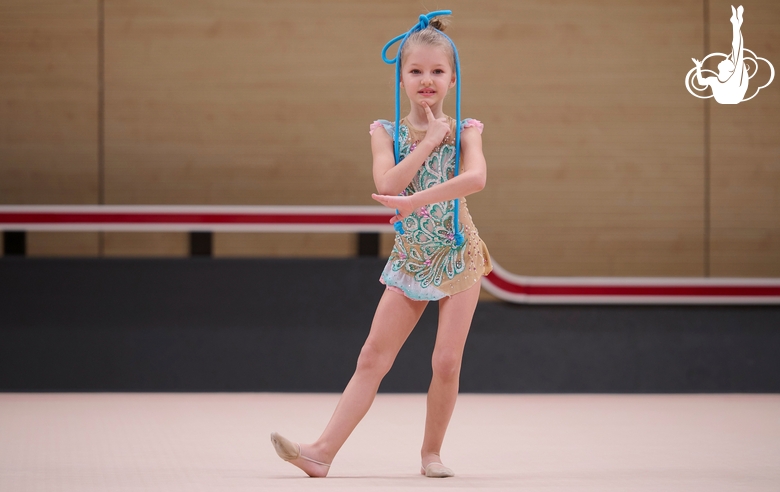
(395, 318)
(455, 314)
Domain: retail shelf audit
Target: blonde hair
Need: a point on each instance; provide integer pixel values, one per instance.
(430, 36)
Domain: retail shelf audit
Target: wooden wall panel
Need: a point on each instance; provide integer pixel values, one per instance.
(48, 101)
(241, 103)
(245, 102)
(61, 244)
(139, 244)
(290, 245)
(595, 150)
(745, 178)
(595, 158)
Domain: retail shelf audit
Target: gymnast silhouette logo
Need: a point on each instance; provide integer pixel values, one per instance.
(730, 84)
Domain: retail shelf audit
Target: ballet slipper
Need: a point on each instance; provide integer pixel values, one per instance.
(436, 470)
(288, 450)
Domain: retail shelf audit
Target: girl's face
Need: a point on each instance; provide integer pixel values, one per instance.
(426, 74)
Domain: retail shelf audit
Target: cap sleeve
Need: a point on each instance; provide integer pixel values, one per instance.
(388, 126)
(469, 122)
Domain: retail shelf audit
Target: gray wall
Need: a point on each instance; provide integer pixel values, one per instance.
(298, 325)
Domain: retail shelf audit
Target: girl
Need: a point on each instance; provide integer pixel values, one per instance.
(437, 255)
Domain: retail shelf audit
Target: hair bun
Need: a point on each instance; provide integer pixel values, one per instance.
(440, 23)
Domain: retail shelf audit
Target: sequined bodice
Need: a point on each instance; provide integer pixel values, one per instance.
(439, 166)
(427, 262)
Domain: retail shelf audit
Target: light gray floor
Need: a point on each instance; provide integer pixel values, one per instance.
(215, 442)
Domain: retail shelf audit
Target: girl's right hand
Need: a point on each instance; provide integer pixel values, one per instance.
(438, 129)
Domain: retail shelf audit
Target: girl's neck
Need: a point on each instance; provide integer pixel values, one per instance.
(419, 120)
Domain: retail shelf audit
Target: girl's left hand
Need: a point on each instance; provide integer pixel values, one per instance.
(403, 205)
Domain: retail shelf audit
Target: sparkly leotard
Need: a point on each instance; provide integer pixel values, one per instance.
(426, 264)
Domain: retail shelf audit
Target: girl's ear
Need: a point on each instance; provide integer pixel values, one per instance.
(452, 82)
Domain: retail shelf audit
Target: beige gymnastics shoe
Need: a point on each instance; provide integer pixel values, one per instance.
(288, 451)
(436, 470)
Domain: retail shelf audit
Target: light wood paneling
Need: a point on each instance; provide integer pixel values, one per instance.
(240, 102)
(595, 150)
(745, 179)
(139, 244)
(59, 244)
(290, 245)
(595, 156)
(48, 101)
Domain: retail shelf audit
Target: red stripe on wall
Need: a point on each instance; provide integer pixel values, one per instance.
(188, 218)
(756, 289)
(630, 290)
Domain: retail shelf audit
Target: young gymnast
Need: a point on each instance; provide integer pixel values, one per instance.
(437, 254)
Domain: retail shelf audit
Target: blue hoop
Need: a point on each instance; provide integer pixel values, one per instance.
(424, 22)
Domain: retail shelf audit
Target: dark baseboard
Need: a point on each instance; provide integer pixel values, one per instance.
(205, 324)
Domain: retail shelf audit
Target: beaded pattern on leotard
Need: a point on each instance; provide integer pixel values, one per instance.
(426, 263)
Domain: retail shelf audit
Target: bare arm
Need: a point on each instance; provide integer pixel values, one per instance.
(470, 180)
(391, 179)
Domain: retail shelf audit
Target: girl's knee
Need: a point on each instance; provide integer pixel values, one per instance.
(446, 364)
(374, 360)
